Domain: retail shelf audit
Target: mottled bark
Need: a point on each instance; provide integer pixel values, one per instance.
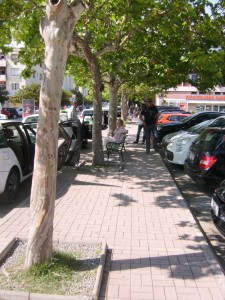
(98, 156)
(113, 104)
(56, 29)
(92, 62)
(124, 105)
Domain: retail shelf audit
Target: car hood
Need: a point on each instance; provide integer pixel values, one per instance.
(184, 135)
(169, 136)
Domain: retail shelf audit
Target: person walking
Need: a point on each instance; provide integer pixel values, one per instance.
(140, 127)
(148, 116)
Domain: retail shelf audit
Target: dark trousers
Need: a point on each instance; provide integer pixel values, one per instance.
(139, 132)
(150, 130)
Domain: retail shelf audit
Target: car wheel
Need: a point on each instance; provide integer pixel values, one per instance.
(11, 187)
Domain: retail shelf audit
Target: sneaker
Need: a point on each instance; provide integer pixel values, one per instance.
(135, 142)
(143, 143)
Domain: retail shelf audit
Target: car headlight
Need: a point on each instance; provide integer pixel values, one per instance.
(180, 143)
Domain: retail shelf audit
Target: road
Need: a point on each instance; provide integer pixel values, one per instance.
(198, 199)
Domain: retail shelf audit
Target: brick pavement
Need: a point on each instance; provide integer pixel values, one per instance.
(156, 250)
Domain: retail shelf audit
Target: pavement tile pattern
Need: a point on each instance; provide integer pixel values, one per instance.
(156, 249)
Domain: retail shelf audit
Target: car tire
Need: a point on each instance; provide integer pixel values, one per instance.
(11, 187)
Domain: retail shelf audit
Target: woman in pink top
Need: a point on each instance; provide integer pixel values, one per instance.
(118, 135)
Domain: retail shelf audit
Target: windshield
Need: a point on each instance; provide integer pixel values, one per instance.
(186, 119)
(198, 128)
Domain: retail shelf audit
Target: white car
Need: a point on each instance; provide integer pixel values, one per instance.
(3, 117)
(178, 147)
(17, 145)
(34, 118)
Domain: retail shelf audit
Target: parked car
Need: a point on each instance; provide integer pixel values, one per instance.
(13, 114)
(218, 122)
(171, 117)
(16, 159)
(178, 147)
(17, 148)
(205, 162)
(5, 112)
(34, 118)
(3, 117)
(218, 207)
(19, 111)
(186, 123)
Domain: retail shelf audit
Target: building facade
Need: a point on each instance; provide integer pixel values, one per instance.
(11, 69)
(188, 97)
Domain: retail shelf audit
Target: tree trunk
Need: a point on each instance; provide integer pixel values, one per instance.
(56, 28)
(124, 105)
(113, 104)
(98, 155)
(92, 62)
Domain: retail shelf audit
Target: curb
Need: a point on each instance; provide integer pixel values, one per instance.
(98, 281)
(16, 295)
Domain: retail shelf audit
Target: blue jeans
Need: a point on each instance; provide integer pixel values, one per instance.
(150, 129)
(139, 132)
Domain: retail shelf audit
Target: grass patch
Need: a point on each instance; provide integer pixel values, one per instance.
(66, 273)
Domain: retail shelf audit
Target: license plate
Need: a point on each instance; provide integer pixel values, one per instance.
(215, 207)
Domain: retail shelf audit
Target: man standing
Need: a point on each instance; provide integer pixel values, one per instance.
(140, 126)
(72, 116)
(148, 116)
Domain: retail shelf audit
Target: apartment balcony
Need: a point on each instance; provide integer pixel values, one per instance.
(2, 62)
(2, 78)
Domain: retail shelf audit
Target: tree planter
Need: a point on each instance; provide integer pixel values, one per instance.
(7, 253)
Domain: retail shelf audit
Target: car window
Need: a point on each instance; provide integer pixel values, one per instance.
(87, 113)
(209, 139)
(199, 126)
(32, 119)
(30, 133)
(173, 118)
(186, 119)
(220, 122)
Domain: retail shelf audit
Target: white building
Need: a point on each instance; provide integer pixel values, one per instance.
(10, 73)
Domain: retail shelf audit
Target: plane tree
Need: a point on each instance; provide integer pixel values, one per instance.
(105, 27)
(57, 21)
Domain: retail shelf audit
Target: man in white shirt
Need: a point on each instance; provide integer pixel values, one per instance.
(72, 116)
(72, 111)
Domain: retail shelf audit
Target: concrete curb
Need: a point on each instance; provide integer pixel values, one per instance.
(16, 295)
(96, 290)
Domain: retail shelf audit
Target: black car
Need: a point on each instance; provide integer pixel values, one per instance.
(13, 113)
(186, 123)
(205, 162)
(218, 207)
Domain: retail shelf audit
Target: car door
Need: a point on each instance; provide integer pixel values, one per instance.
(64, 142)
(19, 144)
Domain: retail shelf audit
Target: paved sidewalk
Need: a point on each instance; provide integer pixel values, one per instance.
(156, 251)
